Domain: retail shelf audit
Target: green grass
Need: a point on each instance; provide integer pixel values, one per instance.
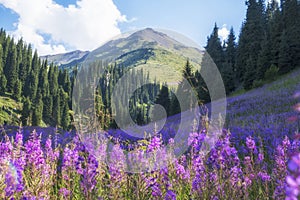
(10, 111)
(162, 65)
(283, 81)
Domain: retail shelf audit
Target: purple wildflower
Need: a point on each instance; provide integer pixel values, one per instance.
(250, 143)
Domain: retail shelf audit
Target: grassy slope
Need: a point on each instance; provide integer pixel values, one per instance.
(162, 65)
(266, 113)
(9, 111)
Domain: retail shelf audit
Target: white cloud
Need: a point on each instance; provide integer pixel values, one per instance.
(223, 32)
(82, 26)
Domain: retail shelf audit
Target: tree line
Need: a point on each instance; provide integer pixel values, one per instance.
(268, 45)
(43, 89)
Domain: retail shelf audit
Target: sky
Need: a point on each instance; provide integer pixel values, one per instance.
(59, 26)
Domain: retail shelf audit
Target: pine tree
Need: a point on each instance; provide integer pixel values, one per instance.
(202, 89)
(250, 73)
(275, 22)
(284, 60)
(17, 91)
(164, 99)
(214, 48)
(251, 37)
(175, 106)
(291, 16)
(65, 119)
(229, 69)
(264, 58)
(10, 69)
(3, 83)
(37, 114)
(43, 84)
(47, 109)
(25, 114)
(56, 112)
(53, 80)
(186, 87)
(3, 80)
(23, 66)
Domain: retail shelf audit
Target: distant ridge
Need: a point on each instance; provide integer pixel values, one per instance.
(149, 49)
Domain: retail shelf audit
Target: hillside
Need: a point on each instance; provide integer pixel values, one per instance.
(10, 111)
(66, 60)
(156, 52)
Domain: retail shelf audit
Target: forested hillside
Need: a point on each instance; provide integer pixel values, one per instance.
(42, 90)
(268, 45)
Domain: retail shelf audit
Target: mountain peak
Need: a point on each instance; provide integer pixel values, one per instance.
(152, 36)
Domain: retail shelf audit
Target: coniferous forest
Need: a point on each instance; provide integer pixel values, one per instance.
(256, 154)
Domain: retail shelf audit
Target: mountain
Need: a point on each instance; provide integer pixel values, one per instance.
(147, 49)
(66, 60)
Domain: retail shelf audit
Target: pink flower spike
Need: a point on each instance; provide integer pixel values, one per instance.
(297, 107)
(291, 181)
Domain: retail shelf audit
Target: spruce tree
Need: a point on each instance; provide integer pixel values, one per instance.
(47, 109)
(56, 112)
(3, 80)
(26, 111)
(37, 115)
(251, 37)
(228, 72)
(65, 119)
(10, 69)
(164, 99)
(284, 60)
(214, 48)
(17, 91)
(291, 16)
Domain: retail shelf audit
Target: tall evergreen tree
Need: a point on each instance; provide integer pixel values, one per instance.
(3, 80)
(284, 60)
(17, 91)
(251, 37)
(228, 71)
(56, 112)
(65, 119)
(164, 99)
(37, 115)
(10, 69)
(275, 22)
(214, 48)
(26, 111)
(291, 16)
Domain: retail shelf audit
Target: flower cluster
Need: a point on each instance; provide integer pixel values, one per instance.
(31, 169)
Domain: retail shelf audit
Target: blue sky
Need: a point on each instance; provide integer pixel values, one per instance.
(64, 25)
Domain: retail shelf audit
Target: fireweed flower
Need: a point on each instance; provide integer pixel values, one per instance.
(153, 184)
(155, 144)
(6, 148)
(235, 176)
(117, 164)
(170, 195)
(297, 107)
(200, 177)
(264, 177)
(34, 152)
(280, 172)
(260, 157)
(250, 143)
(180, 170)
(293, 179)
(13, 179)
(89, 182)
